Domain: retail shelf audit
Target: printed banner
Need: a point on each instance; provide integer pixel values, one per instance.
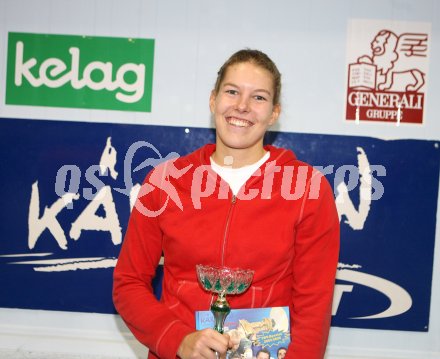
(80, 71)
(387, 71)
(68, 188)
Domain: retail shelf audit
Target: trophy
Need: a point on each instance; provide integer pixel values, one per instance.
(223, 281)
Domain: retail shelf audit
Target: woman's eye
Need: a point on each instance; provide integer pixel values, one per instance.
(232, 92)
(260, 98)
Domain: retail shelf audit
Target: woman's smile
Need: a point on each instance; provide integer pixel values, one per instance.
(238, 122)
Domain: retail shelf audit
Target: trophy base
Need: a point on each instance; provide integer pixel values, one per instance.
(220, 309)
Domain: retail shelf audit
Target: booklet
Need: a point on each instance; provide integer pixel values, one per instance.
(254, 329)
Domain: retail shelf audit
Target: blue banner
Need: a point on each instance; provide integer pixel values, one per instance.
(67, 190)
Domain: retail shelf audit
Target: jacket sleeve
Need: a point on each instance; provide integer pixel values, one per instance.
(151, 322)
(314, 270)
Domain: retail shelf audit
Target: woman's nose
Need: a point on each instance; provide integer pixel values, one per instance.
(243, 104)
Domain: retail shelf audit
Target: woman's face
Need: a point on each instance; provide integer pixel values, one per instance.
(243, 107)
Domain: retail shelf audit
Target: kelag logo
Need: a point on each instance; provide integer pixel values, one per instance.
(80, 71)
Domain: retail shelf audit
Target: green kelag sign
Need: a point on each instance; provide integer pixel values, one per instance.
(80, 71)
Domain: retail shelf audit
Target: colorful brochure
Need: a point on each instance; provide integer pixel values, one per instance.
(253, 330)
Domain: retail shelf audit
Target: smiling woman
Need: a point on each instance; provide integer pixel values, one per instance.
(243, 109)
(218, 219)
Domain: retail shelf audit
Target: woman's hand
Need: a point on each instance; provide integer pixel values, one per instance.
(204, 344)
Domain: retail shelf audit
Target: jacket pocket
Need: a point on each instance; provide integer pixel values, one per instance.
(186, 293)
(252, 298)
(256, 296)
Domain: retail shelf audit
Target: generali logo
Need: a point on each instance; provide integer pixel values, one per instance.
(387, 71)
(80, 71)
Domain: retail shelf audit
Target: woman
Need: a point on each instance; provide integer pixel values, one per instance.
(237, 203)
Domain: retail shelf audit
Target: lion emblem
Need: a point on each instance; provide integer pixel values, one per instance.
(395, 58)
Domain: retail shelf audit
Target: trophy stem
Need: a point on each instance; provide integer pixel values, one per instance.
(220, 309)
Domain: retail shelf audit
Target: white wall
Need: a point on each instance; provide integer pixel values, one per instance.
(307, 39)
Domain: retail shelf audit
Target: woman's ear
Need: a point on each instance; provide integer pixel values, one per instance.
(212, 101)
(275, 114)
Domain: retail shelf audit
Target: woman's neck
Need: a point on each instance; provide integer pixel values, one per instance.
(237, 158)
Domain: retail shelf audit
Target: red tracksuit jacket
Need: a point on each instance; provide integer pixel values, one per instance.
(282, 224)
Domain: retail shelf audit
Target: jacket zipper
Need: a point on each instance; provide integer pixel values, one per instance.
(228, 220)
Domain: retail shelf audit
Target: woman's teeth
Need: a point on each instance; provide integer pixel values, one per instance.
(238, 122)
